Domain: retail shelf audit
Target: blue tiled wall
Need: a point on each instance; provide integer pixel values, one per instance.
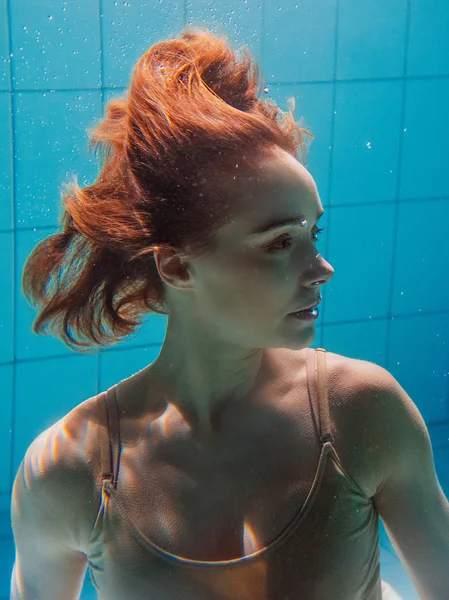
(371, 79)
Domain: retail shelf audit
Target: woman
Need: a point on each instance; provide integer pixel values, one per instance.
(241, 464)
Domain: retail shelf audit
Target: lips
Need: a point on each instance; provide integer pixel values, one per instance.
(308, 307)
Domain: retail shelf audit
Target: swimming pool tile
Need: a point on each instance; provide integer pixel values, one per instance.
(425, 160)
(360, 247)
(5, 83)
(6, 404)
(366, 142)
(241, 22)
(7, 554)
(371, 39)
(422, 258)
(313, 104)
(5, 500)
(364, 340)
(51, 146)
(109, 94)
(419, 356)
(29, 345)
(299, 41)
(120, 364)
(48, 390)
(441, 458)
(439, 434)
(88, 592)
(428, 52)
(395, 574)
(56, 44)
(6, 297)
(6, 180)
(129, 29)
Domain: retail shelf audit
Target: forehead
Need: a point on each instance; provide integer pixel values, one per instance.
(274, 186)
(280, 171)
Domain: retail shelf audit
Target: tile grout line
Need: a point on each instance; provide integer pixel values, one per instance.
(114, 349)
(14, 237)
(102, 107)
(307, 82)
(374, 203)
(397, 202)
(331, 151)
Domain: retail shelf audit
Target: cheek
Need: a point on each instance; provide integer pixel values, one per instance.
(248, 288)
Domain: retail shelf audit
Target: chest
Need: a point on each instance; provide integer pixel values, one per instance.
(228, 497)
(211, 504)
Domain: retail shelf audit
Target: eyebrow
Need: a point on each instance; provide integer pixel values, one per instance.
(278, 223)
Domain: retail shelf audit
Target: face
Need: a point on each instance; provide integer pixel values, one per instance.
(245, 288)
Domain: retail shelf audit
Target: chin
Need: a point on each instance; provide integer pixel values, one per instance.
(297, 340)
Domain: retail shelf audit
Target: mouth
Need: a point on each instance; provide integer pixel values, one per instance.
(309, 307)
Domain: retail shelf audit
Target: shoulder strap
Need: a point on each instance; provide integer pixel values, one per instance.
(109, 436)
(318, 390)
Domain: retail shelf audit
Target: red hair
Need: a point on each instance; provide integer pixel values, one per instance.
(190, 107)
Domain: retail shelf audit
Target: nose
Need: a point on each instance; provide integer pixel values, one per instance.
(326, 271)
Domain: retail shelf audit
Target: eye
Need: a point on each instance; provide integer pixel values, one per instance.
(285, 242)
(317, 231)
(280, 245)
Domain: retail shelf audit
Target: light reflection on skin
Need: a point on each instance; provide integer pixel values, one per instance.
(250, 541)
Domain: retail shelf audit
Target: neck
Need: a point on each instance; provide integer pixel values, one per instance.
(204, 379)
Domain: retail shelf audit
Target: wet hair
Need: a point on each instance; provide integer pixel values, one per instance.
(191, 108)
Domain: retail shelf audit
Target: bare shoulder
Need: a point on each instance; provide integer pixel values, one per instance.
(368, 406)
(351, 376)
(361, 385)
(57, 477)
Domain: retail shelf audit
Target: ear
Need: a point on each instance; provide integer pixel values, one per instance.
(173, 267)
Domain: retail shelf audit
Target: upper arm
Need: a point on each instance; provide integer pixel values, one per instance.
(49, 520)
(410, 500)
